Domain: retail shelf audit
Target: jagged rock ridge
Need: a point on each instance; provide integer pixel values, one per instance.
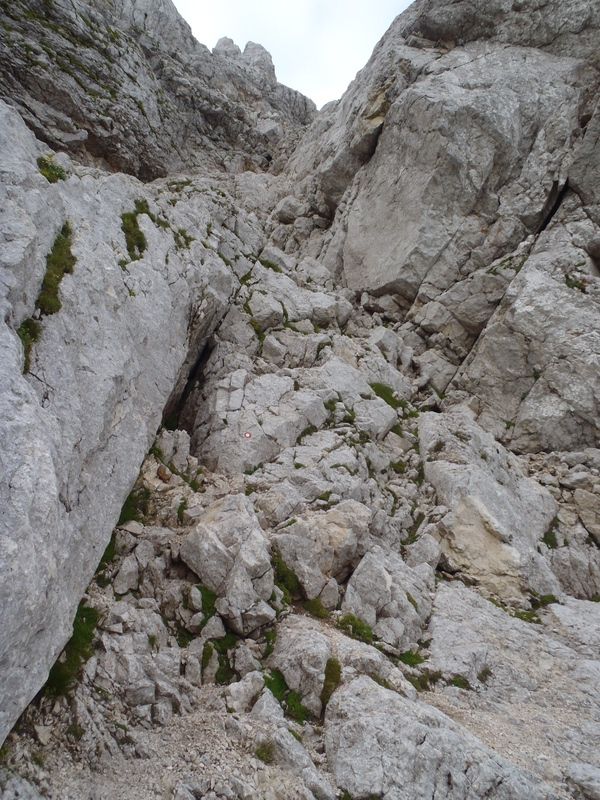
(382, 499)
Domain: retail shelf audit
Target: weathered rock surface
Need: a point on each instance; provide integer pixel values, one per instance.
(100, 376)
(380, 743)
(357, 366)
(498, 516)
(127, 86)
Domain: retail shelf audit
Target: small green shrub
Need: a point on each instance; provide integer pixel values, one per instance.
(266, 752)
(484, 675)
(425, 680)
(66, 670)
(183, 636)
(59, 262)
(270, 265)
(136, 506)
(412, 601)
(225, 673)
(575, 283)
(276, 684)
(183, 239)
(316, 608)
(29, 333)
(107, 558)
(333, 678)
(207, 652)
(51, 170)
(306, 432)
(356, 628)
(270, 638)
(295, 709)
(209, 598)
(549, 537)
(411, 658)
(180, 510)
(135, 240)
(461, 682)
(541, 601)
(285, 578)
(386, 393)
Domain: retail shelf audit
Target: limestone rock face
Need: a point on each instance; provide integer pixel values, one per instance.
(229, 553)
(127, 86)
(379, 742)
(100, 376)
(498, 515)
(300, 436)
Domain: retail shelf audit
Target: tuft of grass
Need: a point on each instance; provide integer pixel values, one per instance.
(295, 709)
(412, 601)
(180, 509)
(270, 638)
(207, 652)
(276, 684)
(386, 393)
(527, 616)
(543, 600)
(183, 239)
(575, 283)
(225, 673)
(399, 467)
(136, 506)
(306, 432)
(461, 683)
(285, 578)
(265, 752)
(209, 598)
(29, 333)
(52, 171)
(75, 731)
(107, 558)
(270, 265)
(59, 262)
(316, 608)
(134, 237)
(484, 675)
(411, 658)
(183, 636)
(66, 670)
(333, 678)
(356, 628)
(425, 680)
(549, 538)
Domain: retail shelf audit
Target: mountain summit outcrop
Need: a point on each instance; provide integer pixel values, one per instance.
(299, 439)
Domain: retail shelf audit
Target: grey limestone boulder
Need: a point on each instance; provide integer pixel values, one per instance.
(230, 554)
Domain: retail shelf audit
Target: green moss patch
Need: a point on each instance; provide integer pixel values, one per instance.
(291, 701)
(356, 628)
(66, 671)
(29, 333)
(136, 506)
(333, 678)
(59, 262)
(285, 578)
(386, 393)
(52, 171)
(316, 608)
(134, 237)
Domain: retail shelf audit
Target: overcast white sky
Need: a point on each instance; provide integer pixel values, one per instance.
(318, 46)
